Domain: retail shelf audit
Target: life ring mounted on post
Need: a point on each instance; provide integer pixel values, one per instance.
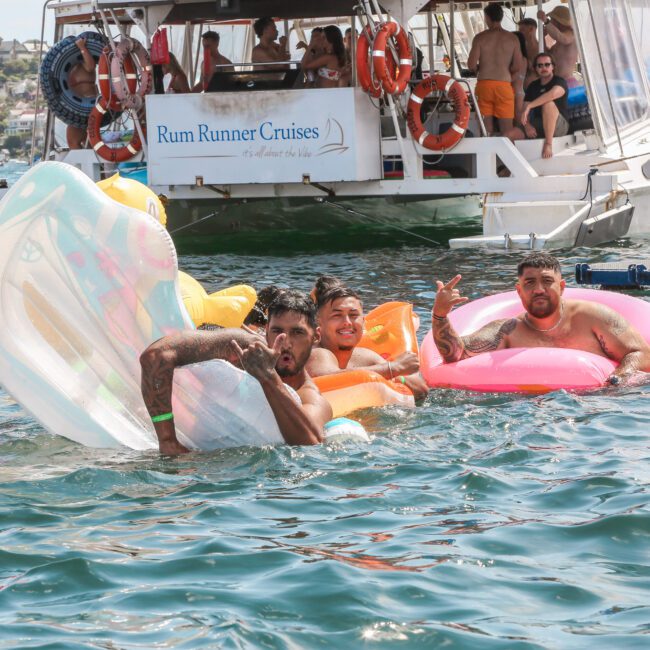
(101, 148)
(452, 136)
(363, 64)
(133, 80)
(391, 84)
(105, 82)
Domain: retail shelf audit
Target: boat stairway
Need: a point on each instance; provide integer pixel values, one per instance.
(536, 224)
(569, 157)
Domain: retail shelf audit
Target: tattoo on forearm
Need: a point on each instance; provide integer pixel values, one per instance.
(181, 350)
(449, 344)
(489, 338)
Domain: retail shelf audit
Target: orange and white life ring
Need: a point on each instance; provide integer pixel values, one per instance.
(128, 87)
(381, 55)
(458, 96)
(106, 89)
(364, 74)
(101, 148)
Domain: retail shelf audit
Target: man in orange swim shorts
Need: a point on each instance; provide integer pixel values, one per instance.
(496, 55)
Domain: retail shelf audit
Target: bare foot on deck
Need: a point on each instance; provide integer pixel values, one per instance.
(547, 150)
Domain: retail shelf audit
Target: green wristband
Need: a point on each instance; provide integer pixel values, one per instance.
(402, 379)
(162, 417)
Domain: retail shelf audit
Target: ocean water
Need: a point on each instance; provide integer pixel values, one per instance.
(475, 521)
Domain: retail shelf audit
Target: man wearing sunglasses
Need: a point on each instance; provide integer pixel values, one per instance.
(545, 111)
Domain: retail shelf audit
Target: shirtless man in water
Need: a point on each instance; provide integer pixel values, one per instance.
(81, 81)
(548, 321)
(496, 55)
(280, 363)
(340, 316)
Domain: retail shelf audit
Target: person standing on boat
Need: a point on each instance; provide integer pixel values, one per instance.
(278, 363)
(178, 82)
(548, 320)
(496, 55)
(341, 319)
(519, 77)
(330, 64)
(557, 25)
(316, 47)
(81, 81)
(267, 50)
(210, 41)
(545, 111)
(528, 27)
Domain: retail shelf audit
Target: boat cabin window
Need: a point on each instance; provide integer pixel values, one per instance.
(617, 80)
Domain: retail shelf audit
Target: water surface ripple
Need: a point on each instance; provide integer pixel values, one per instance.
(476, 521)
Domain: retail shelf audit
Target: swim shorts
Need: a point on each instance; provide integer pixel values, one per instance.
(561, 126)
(495, 98)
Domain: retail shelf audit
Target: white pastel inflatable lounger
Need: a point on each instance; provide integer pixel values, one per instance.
(86, 284)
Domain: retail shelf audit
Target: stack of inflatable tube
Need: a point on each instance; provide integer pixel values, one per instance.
(526, 370)
(226, 308)
(86, 284)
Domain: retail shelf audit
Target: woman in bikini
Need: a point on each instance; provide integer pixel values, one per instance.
(329, 64)
(178, 83)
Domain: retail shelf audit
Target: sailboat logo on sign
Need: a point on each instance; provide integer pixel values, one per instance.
(335, 138)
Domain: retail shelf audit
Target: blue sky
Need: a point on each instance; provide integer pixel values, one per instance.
(21, 19)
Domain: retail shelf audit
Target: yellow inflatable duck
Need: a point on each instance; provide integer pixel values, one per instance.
(228, 307)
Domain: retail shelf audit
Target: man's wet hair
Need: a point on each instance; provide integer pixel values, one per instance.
(296, 301)
(211, 36)
(494, 12)
(257, 315)
(260, 25)
(538, 260)
(328, 288)
(529, 22)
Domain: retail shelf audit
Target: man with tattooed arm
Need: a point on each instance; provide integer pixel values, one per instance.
(549, 320)
(279, 365)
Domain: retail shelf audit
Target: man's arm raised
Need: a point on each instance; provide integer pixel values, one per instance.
(300, 424)
(453, 347)
(160, 359)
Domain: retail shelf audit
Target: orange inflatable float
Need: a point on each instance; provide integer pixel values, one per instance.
(389, 331)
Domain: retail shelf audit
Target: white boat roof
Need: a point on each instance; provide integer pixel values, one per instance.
(181, 11)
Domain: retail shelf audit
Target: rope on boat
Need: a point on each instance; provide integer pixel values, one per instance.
(380, 221)
(617, 160)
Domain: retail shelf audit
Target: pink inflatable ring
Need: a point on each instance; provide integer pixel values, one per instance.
(526, 370)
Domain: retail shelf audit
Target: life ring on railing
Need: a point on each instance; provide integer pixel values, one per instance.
(456, 131)
(123, 81)
(363, 64)
(105, 82)
(392, 84)
(57, 63)
(101, 148)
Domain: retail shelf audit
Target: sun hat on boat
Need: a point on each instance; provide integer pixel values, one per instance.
(561, 15)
